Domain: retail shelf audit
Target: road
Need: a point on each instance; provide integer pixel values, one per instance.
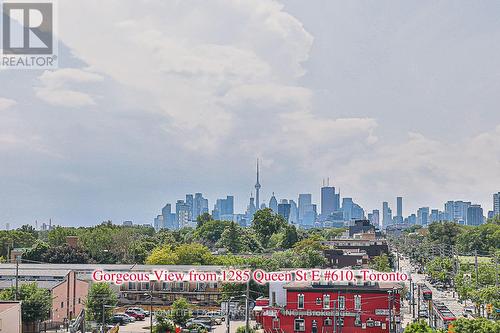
(443, 296)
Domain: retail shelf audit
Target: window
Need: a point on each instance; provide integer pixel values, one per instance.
(276, 323)
(299, 325)
(131, 285)
(318, 301)
(145, 286)
(300, 303)
(341, 302)
(165, 286)
(357, 302)
(62, 305)
(327, 322)
(273, 298)
(326, 301)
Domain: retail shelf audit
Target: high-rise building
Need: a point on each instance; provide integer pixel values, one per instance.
(457, 211)
(158, 222)
(386, 214)
(475, 215)
(327, 200)
(305, 200)
(190, 202)
(496, 204)
(200, 206)
(375, 220)
(169, 219)
(251, 209)
(294, 212)
(183, 213)
(257, 188)
(399, 207)
(284, 209)
(347, 204)
(273, 204)
(357, 213)
(423, 216)
(224, 209)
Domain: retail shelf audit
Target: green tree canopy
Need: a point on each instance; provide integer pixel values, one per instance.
(266, 224)
(180, 312)
(36, 302)
(100, 297)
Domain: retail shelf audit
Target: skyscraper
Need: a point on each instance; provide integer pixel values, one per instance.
(327, 200)
(375, 218)
(475, 215)
(168, 217)
(496, 204)
(224, 209)
(284, 209)
(457, 211)
(347, 205)
(423, 216)
(305, 200)
(200, 206)
(273, 204)
(257, 188)
(399, 207)
(183, 212)
(386, 214)
(294, 212)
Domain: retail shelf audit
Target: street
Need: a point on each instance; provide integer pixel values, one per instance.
(143, 327)
(445, 296)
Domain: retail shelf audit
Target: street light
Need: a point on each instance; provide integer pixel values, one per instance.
(150, 294)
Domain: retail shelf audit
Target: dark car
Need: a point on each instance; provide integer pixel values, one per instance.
(121, 319)
(135, 314)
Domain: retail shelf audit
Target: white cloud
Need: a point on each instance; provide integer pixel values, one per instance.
(54, 88)
(6, 103)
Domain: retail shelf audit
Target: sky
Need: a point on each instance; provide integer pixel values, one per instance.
(154, 99)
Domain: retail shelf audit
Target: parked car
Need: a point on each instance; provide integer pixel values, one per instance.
(121, 318)
(139, 310)
(423, 314)
(135, 314)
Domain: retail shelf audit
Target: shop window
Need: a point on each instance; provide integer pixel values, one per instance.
(328, 322)
(276, 323)
(318, 301)
(341, 302)
(357, 302)
(326, 301)
(299, 325)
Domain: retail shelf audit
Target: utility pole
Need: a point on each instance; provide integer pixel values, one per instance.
(227, 316)
(413, 299)
(476, 268)
(247, 309)
(335, 319)
(418, 301)
(390, 311)
(103, 316)
(16, 296)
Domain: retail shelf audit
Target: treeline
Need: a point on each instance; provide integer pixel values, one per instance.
(269, 243)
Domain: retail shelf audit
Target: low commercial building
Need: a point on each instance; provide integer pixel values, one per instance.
(341, 258)
(341, 307)
(373, 247)
(10, 317)
(67, 290)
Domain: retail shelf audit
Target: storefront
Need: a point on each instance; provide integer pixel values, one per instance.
(369, 308)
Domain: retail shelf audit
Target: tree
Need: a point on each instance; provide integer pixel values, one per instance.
(194, 254)
(210, 232)
(381, 263)
(202, 219)
(418, 327)
(266, 224)
(231, 238)
(162, 256)
(100, 297)
(180, 311)
(242, 329)
(65, 254)
(163, 323)
(37, 252)
(36, 302)
(290, 237)
(444, 232)
(480, 325)
(29, 229)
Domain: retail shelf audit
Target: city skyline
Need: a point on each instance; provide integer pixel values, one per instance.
(388, 104)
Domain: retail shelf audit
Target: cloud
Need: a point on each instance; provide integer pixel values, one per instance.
(55, 87)
(6, 103)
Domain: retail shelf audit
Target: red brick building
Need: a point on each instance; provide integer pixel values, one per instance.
(317, 308)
